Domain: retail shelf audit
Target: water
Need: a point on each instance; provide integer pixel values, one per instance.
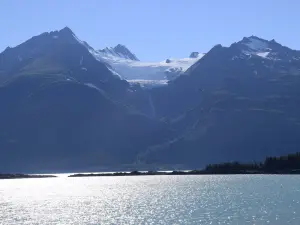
(237, 199)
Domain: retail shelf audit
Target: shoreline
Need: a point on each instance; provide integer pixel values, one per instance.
(151, 173)
(180, 173)
(24, 176)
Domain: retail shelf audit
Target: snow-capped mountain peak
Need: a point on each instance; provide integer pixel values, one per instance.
(271, 50)
(255, 46)
(120, 51)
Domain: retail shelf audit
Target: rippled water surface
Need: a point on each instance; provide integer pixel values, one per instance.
(236, 199)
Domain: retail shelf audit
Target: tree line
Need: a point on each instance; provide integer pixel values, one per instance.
(283, 164)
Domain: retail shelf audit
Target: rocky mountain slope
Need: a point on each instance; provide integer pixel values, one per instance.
(62, 109)
(236, 103)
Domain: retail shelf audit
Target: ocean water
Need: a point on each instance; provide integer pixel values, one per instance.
(232, 199)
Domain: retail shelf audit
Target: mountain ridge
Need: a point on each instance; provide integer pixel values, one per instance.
(232, 105)
(120, 51)
(65, 106)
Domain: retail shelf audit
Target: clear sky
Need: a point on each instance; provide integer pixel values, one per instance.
(153, 29)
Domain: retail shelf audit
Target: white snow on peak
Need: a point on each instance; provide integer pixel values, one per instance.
(111, 52)
(257, 44)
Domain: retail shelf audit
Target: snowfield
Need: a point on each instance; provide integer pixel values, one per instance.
(145, 72)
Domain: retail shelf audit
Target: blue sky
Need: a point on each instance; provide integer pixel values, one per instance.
(153, 29)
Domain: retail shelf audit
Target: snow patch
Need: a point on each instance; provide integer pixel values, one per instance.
(55, 37)
(256, 44)
(263, 54)
(83, 68)
(149, 83)
(162, 82)
(92, 86)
